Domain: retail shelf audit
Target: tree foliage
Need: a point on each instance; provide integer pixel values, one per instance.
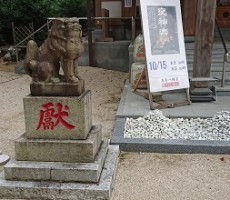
(22, 12)
(72, 8)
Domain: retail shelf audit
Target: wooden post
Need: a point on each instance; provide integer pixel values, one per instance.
(189, 16)
(14, 37)
(204, 34)
(89, 31)
(105, 23)
(205, 24)
(133, 29)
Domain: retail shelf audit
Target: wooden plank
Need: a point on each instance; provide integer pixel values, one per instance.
(223, 17)
(105, 23)
(97, 8)
(189, 16)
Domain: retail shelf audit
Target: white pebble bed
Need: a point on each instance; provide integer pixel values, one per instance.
(156, 125)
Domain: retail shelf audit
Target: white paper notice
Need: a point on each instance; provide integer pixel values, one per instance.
(164, 45)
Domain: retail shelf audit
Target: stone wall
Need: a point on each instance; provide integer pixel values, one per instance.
(108, 55)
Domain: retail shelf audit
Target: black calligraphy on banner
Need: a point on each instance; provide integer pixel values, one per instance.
(163, 30)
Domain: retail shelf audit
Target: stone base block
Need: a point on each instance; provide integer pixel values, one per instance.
(59, 150)
(201, 91)
(58, 117)
(57, 89)
(56, 171)
(65, 191)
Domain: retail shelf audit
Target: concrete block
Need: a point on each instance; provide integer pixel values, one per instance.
(116, 52)
(56, 171)
(65, 191)
(58, 117)
(108, 55)
(57, 89)
(26, 170)
(59, 150)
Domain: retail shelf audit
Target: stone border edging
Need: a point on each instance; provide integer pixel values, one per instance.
(166, 145)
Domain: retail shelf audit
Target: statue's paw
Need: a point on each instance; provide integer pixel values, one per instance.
(79, 77)
(55, 80)
(73, 79)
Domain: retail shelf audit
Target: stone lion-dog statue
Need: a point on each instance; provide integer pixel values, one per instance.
(61, 49)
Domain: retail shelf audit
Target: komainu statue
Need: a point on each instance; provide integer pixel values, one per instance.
(61, 49)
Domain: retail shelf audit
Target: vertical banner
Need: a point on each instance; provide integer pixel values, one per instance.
(164, 45)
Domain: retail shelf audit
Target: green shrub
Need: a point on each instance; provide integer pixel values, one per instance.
(22, 12)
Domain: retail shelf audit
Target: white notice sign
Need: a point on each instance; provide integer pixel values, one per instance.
(128, 3)
(164, 45)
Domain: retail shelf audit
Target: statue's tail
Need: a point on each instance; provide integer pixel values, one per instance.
(31, 57)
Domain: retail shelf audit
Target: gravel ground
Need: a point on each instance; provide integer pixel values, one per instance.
(140, 176)
(156, 125)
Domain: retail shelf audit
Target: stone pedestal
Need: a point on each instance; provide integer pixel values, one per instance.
(59, 150)
(58, 117)
(62, 190)
(61, 155)
(58, 171)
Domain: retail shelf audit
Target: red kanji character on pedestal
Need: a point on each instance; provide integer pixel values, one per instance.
(49, 119)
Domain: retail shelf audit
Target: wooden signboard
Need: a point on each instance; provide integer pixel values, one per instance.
(164, 45)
